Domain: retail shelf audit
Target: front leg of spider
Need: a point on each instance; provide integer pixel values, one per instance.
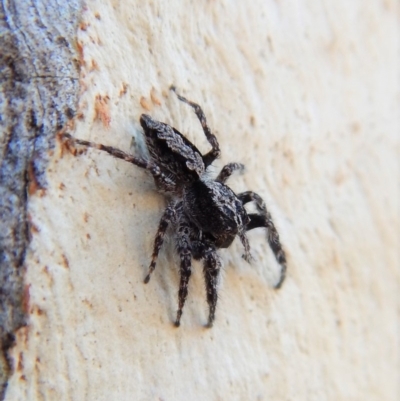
(148, 165)
(215, 152)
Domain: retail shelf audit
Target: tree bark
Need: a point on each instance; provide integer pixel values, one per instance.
(38, 94)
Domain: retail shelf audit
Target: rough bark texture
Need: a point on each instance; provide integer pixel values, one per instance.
(305, 94)
(38, 94)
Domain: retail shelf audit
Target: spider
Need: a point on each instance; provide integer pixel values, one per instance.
(205, 213)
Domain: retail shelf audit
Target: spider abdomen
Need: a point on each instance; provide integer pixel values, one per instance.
(215, 209)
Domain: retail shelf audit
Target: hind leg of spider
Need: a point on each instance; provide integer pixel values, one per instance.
(211, 270)
(245, 242)
(265, 220)
(167, 217)
(250, 196)
(227, 171)
(184, 250)
(215, 152)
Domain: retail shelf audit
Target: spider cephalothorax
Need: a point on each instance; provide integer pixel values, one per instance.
(205, 213)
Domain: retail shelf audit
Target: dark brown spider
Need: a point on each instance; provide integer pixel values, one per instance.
(205, 213)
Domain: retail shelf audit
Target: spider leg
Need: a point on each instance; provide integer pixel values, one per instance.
(264, 219)
(227, 171)
(185, 254)
(119, 154)
(212, 139)
(165, 183)
(158, 175)
(211, 270)
(250, 196)
(245, 242)
(167, 217)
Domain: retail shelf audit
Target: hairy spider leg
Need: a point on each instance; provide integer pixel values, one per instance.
(250, 196)
(264, 219)
(227, 171)
(168, 216)
(245, 242)
(163, 181)
(215, 152)
(224, 174)
(119, 154)
(211, 270)
(185, 254)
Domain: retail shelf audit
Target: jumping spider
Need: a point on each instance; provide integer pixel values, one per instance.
(205, 213)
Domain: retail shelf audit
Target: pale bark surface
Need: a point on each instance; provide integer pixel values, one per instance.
(305, 94)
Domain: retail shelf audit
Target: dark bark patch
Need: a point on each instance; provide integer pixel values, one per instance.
(38, 94)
